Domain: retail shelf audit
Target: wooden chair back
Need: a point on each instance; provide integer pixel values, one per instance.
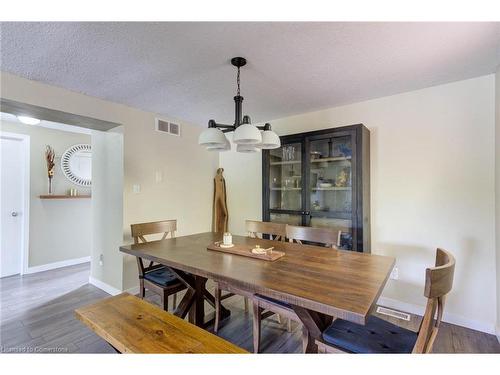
(438, 283)
(276, 231)
(328, 236)
(144, 229)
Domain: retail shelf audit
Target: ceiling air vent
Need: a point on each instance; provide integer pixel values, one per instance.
(174, 129)
(168, 127)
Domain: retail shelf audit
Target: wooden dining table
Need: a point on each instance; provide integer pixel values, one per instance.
(319, 283)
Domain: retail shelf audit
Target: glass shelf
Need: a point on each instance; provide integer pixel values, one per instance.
(333, 188)
(338, 158)
(285, 162)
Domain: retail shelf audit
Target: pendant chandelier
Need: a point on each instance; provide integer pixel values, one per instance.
(248, 137)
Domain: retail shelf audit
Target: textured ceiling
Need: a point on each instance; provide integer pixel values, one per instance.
(183, 70)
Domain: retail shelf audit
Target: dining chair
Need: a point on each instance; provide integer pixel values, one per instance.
(264, 307)
(330, 237)
(380, 336)
(156, 277)
(255, 229)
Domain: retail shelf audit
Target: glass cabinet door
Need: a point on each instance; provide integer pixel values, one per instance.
(285, 187)
(330, 185)
(285, 178)
(290, 219)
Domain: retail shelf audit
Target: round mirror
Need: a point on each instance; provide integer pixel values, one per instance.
(76, 164)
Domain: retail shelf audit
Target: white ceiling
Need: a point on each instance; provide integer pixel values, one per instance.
(182, 69)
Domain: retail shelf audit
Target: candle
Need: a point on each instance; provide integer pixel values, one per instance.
(227, 239)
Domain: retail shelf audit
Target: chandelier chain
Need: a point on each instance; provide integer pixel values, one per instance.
(238, 81)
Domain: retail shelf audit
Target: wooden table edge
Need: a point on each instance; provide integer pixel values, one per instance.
(355, 317)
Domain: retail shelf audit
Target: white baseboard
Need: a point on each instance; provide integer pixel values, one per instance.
(52, 266)
(110, 289)
(103, 286)
(447, 317)
(134, 291)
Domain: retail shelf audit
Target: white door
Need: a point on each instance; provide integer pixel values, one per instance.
(11, 205)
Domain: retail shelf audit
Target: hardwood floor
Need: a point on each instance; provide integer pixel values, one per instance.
(36, 315)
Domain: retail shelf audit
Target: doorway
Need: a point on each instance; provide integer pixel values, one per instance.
(14, 202)
(106, 223)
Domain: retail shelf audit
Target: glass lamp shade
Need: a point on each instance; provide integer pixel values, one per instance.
(225, 147)
(247, 134)
(212, 137)
(270, 140)
(246, 148)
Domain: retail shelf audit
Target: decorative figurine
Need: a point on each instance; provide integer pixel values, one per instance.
(316, 206)
(49, 158)
(345, 150)
(342, 178)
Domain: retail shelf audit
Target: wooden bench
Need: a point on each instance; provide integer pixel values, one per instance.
(132, 325)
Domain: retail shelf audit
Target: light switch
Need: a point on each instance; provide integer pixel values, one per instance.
(136, 189)
(158, 176)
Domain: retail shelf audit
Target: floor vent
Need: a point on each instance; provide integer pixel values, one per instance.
(393, 313)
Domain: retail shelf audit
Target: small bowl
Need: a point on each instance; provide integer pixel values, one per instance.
(315, 155)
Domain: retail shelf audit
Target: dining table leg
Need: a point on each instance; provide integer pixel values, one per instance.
(314, 325)
(185, 304)
(193, 302)
(199, 301)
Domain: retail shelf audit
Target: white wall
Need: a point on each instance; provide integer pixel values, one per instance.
(60, 230)
(497, 190)
(432, 184)
(107, 207)
(185, 192)
(243, 175)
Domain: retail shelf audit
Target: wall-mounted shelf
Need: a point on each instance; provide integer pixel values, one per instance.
(65, 196)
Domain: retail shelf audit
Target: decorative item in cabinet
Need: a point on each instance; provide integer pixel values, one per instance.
(342, 150)
(343, 177)
(315, 155)
(288, 153)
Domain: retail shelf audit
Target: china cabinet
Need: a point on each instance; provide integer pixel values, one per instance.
(321, 179)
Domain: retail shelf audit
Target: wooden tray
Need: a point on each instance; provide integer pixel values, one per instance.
(246, 251)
